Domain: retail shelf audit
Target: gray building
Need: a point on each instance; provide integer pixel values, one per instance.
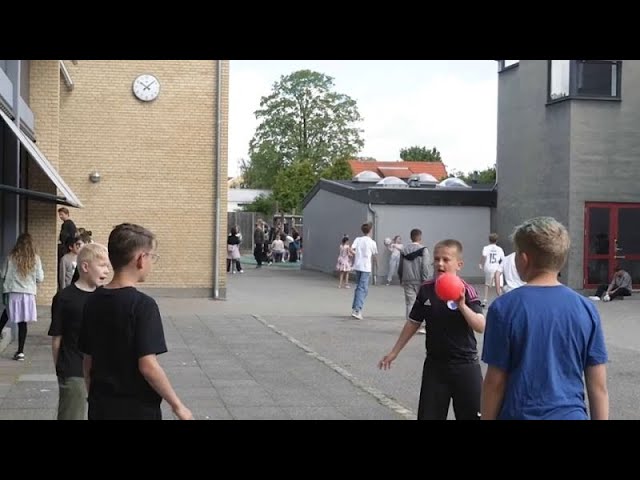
(334, 208)
(568, 146)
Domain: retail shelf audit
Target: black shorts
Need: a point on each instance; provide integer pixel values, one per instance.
(442, 382)
(110, 408)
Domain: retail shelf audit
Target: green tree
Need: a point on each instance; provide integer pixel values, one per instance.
(263, 204)
(486, 176)
(293, 184)
(338, 170)
(302, 121)
(420, 154)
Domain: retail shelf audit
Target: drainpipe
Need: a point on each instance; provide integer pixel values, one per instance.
(374, 267)
(218, 170)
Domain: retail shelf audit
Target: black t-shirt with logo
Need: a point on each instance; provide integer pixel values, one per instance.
(119, 327)
(449, 337)
(66, 320)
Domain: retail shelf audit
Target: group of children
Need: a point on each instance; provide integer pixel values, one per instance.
(539, 340)
(105, 338)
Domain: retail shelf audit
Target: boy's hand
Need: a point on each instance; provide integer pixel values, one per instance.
(463, 297)
(385, 363)
(183, 413)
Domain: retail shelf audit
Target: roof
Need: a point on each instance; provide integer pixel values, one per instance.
(476, 196)
(400, 169)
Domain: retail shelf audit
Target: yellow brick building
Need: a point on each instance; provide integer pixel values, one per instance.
(161, 162)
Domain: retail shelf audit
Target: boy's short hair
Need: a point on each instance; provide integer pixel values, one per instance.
(546, 240)
(91, 252)
(124, 240)
(450, 243)
(366, 228)
(493, 238)
(64, 210)
(415, 234)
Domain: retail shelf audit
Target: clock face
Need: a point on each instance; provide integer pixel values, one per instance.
(146, 87)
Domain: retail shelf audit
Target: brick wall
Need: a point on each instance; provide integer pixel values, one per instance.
(42, 220)
(156, 158)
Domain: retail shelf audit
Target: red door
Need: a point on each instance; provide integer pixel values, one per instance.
(611, 237)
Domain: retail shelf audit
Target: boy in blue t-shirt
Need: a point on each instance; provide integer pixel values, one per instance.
(541, 338)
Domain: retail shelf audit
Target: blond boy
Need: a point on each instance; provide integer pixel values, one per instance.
(66, 319)
(541, 338)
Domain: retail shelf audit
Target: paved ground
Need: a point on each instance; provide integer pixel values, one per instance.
(284, 347)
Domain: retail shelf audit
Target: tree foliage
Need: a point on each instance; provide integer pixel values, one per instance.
(305, 125)
(486, 176)
(293, 184)
(264, 204)
(420, 154)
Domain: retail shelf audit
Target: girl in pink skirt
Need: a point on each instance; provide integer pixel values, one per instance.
(20, 273)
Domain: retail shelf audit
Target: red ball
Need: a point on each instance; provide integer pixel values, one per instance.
(449, 287)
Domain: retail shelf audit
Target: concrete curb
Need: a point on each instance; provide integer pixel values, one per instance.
(377, 394)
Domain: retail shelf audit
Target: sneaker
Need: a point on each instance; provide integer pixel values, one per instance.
(422, 331)
(240, 271)
(356, 314)
(594, 298)
(19, 357)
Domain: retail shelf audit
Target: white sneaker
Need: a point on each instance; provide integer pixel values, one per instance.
(422, 331)
(594, 298)
(356, 314)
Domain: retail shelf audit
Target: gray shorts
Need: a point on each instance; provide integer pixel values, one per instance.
(72, 403)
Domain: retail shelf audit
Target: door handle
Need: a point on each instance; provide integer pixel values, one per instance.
(620, 256)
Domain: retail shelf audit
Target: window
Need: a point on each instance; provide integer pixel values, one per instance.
(559, 83)
(504, 64)
(592, 79)
(597, 78)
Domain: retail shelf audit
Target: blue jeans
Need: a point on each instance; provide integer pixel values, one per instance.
(362, 288)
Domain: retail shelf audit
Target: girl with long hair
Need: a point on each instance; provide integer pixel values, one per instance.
(20, 274)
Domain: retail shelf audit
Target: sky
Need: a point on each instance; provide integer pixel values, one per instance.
(447, 104)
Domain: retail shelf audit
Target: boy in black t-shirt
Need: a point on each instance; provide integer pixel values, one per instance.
(66, 319)
(451, 369)
(122, 335)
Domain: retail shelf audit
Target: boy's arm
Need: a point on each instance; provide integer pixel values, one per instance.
(472, 313)
(496, 353)
(55, 348)
(493, 388)
(408, 331)
(157, 378)
(419, 313)
(426, 256)
(61, 273)
(87, 363)
(149, 342)
(596, 383)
